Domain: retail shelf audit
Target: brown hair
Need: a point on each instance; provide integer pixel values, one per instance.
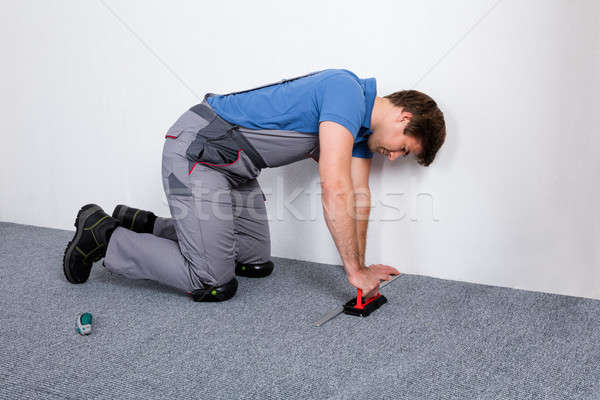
(427, 123)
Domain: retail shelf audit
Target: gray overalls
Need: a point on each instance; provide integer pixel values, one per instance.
(209, 171)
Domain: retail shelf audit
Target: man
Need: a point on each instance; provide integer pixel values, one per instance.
(211, 158)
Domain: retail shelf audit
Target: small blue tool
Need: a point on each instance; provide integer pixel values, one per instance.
(84, 324)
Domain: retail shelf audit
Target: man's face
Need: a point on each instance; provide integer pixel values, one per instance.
(389, 139)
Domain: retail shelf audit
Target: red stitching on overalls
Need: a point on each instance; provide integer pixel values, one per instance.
(217, 165)
(171, 137)
(314, 159)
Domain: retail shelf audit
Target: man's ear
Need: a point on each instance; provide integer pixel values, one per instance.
(405, 116)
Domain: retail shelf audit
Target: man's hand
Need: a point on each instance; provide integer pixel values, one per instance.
(368, 278)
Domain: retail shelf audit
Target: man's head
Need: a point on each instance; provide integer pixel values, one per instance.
(407, 122)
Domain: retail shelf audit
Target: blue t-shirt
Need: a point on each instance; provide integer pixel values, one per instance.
(331, 95)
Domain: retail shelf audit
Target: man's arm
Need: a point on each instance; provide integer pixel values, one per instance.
(336, 143)
(359, 172)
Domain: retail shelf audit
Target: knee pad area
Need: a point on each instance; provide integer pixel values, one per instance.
(216, 293)
(254, 270)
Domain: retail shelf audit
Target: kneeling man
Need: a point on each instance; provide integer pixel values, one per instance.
(212, 156)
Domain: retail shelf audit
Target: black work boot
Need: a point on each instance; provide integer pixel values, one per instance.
(93, 228)
(254, 270)
(134, 219)
(216, 293)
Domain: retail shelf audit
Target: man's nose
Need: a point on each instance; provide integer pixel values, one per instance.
(393, 155)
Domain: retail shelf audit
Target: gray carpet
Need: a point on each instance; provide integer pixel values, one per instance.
(435, 339)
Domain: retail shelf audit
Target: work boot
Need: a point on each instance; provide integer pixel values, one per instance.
(134, 219)
(216, 293)
(254, 270)
(93, 228)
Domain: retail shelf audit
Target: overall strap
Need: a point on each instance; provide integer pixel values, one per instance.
(272, 84)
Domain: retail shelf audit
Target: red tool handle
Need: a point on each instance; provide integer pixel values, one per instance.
(359, 303)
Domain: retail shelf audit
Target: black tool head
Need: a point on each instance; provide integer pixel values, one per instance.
(351, 309)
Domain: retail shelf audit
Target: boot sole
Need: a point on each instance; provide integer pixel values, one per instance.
(82, 215)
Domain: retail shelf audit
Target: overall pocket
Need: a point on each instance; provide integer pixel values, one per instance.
(220, 151)
(213, 147)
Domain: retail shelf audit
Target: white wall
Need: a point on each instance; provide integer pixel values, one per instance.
(89, 88)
